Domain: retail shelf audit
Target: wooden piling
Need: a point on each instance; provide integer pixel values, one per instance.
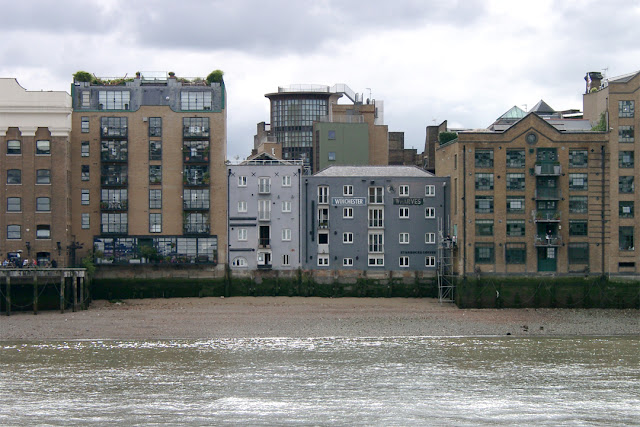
(82, 293)
(7, 295)
(35, 294)
(63, 283)
(75, 292)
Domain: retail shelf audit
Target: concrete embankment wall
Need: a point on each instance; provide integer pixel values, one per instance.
(550, 292)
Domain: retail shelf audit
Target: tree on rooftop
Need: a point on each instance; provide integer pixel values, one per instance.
(83, 76)
(215, 77)
(445, 137)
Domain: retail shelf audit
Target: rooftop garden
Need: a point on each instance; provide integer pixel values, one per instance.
(215, 76)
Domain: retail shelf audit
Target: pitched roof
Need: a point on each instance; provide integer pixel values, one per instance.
(378, 171)
(514, 113)
(542, 108)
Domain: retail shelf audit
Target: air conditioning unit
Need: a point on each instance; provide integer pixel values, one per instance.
(145, 119)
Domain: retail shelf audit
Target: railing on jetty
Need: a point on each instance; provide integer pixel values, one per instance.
(40, 278)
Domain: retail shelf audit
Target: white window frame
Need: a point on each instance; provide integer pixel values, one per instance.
(323, 194)
(285, 260)
(347, 190)
(323, 261)
(430, 190)
(403, 262)
(375, 261)
(264, 210)
(403, 238)
(242, 206)
(347, 213)
(286, 181)
(347, 262)
(430, 238)
(242, 234)
(347, 238)
(240, 262)
(286, 206)
(403, 212)
(264, 185)
(376, 195)
(403, 190)
(242, 181)
(286, 234)
(430, 261)
(430, 212)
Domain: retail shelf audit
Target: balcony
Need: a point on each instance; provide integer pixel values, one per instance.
(198, 229)
(189, 205)
(323, 223)
(548, 169)
(548, 240)
(264, 243)
(114, 180)
(548, 194)
(546, 216)
(264, 188)
(195, 155)
(121, 205)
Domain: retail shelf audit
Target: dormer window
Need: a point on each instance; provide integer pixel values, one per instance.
(113, 100)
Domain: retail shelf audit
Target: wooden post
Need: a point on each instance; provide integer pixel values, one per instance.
(82, 293)
(7, 295)
(75, 292)
(63, 283)
(35, 292)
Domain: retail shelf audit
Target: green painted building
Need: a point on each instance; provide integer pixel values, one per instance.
(340, 144)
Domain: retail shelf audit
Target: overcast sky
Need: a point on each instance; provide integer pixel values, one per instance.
(465, 61)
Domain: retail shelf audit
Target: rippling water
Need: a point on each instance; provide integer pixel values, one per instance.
(322, 381)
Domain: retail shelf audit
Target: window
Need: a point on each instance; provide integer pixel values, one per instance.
(14, 147)
(239, 262)
(14, 204)
(430, 190)
(43, 176)
(155, 126)
(286, 181)
(242, 181)
(85, 100)
(347, 262)
(84, 199)
(286, 206)
(113, 100)
(404, 213)
(264, 210)
(347, 237)
(625, 184)
(286, 234)
(155, 150)
(285, 259)
(429, 261)
(430, 238)
(195, 127)
(403, 238)
(114, 150)
(323, 261)
(515, 181)
(578, 204)
(515, 204)
(113, 199)
(484, 204)
(625, 159)
(84, 124)
(43, 204)
(376, 218)
(376, 260)
(14, 176)
(347, 213)
(323, 194)
(155, 223)
(484, 253)
(84, 148)
(195, 198)
(196, 223)
(85, 221)
(625, 209)
(191, 100)
(332, 156)
(43, 231)
(625, 235)
(578, 253)
(430, 212)
(242, 206)
(331, 134)
(347, 190)
(403, 261)
(484, 158)
(113, 127)
(242, 234)
(195, 175)
(376, 195)
(84, 173)
(376, 242)
(484, 181)
(155, 174)
(577, 227)
(578, 158)
(404, 190)
(515, 158)
(323, 238)
(264, 185)
(155, 199)
(515, 253)
(13, 232)
(578, 181)
(484, 227)
(625, 134)
(625, 108)
(515, 227)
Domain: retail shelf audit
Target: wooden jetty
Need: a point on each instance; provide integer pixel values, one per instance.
(66, 278)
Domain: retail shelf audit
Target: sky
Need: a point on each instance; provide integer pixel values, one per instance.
(464, 61)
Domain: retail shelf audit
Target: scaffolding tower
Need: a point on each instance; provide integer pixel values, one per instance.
(446, 279)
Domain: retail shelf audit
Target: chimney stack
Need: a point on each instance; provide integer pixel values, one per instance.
(593, 79)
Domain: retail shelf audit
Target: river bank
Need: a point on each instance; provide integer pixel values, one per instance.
(246, 317)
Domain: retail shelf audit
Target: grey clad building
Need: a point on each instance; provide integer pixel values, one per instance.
(374, 218)
(264, 214)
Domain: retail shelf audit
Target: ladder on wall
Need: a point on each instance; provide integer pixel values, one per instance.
(444, 270)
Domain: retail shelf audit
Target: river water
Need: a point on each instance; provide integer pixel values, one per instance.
(323, 381)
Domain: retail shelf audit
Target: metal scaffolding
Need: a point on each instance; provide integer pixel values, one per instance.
(446, 280)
